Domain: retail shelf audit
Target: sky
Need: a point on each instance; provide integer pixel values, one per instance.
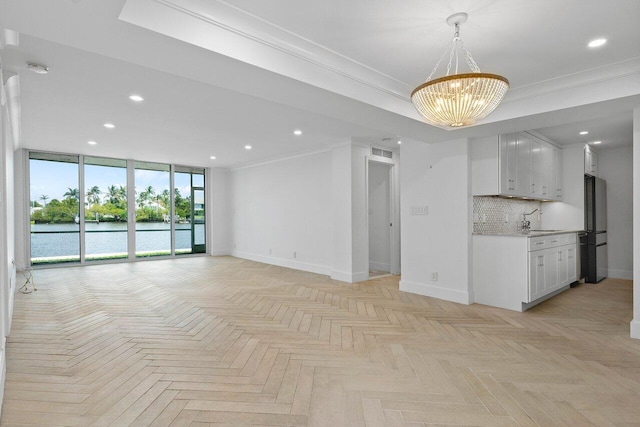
(53, 179)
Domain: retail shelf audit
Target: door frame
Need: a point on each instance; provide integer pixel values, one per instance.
(394, 213)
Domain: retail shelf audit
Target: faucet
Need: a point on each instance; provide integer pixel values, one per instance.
(526, 224)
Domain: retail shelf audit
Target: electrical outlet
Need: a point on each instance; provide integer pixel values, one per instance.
(476, 218)
(269, 251)
(484, 217)
(295, 254)
(506, 217)
(434, 276)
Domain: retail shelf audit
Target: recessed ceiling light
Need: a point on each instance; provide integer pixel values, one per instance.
(297, 132)
(247, 147)
(597, 42)
(596, 142)
(109, 125)
(37, 68)
(136, 98)
(92, 143)
(212, 157)
(584, 132)
(399, 142)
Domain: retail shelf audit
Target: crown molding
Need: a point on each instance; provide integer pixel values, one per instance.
(228, 30)
(579, 79)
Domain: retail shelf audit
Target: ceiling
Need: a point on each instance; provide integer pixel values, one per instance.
(217, 76)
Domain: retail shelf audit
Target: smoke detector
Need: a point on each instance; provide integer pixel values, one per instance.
(37, 68)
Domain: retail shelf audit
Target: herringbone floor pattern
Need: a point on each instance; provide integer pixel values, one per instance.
(224, 341)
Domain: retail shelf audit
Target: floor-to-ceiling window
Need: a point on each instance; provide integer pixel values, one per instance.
(189, 202)
(153, 209)
(105, 215)
(54, 208)
(86, 209)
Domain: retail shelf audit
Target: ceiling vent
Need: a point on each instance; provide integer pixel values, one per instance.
(381, 153)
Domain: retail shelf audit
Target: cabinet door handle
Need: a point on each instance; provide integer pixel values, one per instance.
(559, 256)
(554, 241)
(539, 243)
(540, 261)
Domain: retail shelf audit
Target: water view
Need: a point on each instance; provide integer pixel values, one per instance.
(106, 240)
(56, 203)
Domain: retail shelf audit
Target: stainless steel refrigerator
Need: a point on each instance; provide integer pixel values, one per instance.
(595, 220)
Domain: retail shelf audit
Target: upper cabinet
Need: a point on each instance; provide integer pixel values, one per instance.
(590, 161)
(516, 164)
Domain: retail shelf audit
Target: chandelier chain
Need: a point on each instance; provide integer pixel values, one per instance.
(454, 45)
(439, 61)
(470, 61)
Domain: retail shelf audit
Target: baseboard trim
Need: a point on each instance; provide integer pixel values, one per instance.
(452, 295)
(620, 274)
(221, 252)
(380, 266)
(344, 276)
(295, 265)
(635, 329)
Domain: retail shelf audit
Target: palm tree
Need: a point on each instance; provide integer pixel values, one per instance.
(146, 195)
(93, 195)
(44, 199)
(113, 195)
(72, 193)
(165, 197)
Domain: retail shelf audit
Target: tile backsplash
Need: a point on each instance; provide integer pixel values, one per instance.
(499, 215)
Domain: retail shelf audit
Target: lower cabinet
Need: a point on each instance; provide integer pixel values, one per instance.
(516, 272)
(550, 270)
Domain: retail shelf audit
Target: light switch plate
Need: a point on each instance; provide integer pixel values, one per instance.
(418, 210)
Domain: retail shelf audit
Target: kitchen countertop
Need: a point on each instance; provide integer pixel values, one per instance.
(532, 233)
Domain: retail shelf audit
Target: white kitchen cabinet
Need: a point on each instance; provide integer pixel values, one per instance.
(516, 164)
(590, 161)
(508, 153)
(537, 275)
(557, 184)
(525, 143)
(517, 272)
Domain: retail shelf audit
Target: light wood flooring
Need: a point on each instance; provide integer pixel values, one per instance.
(224, 341)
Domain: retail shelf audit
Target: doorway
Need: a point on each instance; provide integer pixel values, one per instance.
(380, 192)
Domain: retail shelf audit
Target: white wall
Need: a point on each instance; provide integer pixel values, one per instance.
(379, 217)
(7, 228)
(436, 176)
(284, 206)
(350, 247)
(615, 165)
(221, 220)
(635, 323)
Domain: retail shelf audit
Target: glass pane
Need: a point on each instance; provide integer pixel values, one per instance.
(189, 199)
(105, 208)
(54, 208)
(198, 217)
(153, 217)
(198, 180)
(182, 201)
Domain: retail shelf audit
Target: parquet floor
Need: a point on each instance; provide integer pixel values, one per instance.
(224, 341)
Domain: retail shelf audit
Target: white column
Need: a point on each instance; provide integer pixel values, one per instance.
(219, 212)
(350, 227)
(635, 323)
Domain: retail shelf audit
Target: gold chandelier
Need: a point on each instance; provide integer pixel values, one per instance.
(458, 99)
